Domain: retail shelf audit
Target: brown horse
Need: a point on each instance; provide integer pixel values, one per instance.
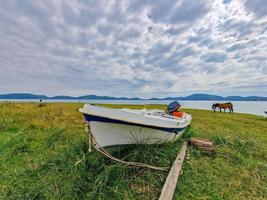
(224, 106)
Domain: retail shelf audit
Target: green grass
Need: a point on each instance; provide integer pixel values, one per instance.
(39, 146)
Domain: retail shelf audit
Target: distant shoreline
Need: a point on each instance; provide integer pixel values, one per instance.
(249, 107)
(193, 97)
(76, 100)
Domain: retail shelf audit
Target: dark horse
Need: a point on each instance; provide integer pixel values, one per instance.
(224, 106)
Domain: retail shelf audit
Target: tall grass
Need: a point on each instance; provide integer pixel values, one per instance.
(39, 146)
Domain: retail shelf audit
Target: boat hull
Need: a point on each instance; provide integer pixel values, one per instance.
(110, 133)
(111, 126)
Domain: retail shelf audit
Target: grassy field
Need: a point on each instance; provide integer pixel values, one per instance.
(39, 146)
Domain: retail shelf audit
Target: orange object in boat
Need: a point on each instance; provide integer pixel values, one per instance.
(178, 114)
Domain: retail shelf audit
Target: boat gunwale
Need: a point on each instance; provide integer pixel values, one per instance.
(165, 129)
(188, 121)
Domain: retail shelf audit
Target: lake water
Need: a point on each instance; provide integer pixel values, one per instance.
(250, 107)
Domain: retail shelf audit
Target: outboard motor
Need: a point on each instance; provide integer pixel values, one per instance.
(173, 106)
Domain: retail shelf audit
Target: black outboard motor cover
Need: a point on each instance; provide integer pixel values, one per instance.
(173, 106)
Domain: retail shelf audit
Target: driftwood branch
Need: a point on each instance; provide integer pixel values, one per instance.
(202, 144)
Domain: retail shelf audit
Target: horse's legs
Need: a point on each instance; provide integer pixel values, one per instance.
(220, 110)
(224, 109)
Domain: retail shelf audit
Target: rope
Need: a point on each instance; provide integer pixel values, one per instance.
(108, 155)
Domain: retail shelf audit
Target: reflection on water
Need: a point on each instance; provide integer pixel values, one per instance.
(250, 107)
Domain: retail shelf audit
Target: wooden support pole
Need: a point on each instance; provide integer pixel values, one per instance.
(89, 138)
(172, 179)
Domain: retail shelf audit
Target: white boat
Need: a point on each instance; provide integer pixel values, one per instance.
(111, 126)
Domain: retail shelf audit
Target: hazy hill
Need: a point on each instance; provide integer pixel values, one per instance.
(195, 97)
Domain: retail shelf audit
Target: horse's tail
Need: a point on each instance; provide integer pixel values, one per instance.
(232, 107)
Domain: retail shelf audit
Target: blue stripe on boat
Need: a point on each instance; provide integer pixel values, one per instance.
(108, 120)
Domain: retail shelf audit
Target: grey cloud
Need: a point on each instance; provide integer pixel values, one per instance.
(172, 11)
(226, 1)
(181, 53)
(177, 30)
(105, 29)
(161, 9)
(116, 15)
(136, 55)
(210, 43)
(157, 57)
(193, 39)
(239, 28)
(128, 34)
(160, 48)
(235, 47)
(187, 52)
(257, 7)
(204, 38)
(86, 16)
(214, 57)
(189, 11)
(137, 5)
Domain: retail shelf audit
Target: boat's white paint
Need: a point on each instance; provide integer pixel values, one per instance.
(107, 134)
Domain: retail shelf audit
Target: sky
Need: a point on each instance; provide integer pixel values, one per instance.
(152, 48)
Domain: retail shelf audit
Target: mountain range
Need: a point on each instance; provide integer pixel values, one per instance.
(206, 97)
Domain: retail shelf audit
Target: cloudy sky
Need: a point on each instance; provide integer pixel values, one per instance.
(153, 48)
